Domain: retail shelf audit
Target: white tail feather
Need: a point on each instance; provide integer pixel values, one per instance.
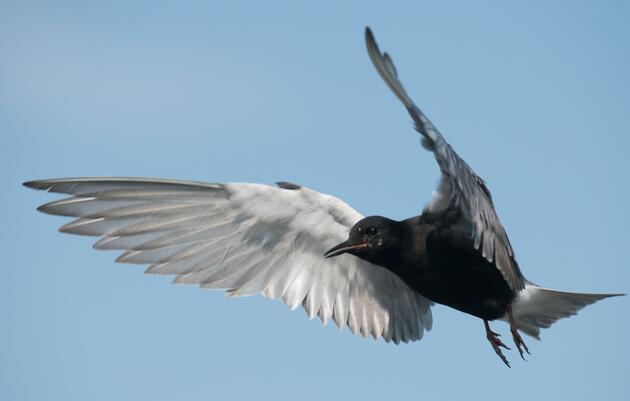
(538, 308)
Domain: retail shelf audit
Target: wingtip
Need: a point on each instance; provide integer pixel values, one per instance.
(369, 38)
(34, 184)
(40, 185)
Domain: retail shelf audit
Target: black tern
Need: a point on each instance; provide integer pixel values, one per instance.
(376, 276)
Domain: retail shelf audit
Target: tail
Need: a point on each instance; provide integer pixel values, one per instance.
(538, 308)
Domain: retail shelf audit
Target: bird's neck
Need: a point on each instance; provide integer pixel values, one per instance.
(409, 259)
(406, 250)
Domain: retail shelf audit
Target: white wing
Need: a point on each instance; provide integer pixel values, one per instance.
(460, 186)
(246, 239)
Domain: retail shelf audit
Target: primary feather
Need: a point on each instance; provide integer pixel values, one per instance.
(459, 185)
(244, 239)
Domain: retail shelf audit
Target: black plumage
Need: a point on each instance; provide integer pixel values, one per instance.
(435, 258)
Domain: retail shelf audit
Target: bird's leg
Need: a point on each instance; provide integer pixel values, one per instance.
(495, 342)
(518, 340)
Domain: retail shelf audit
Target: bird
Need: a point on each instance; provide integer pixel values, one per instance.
(377, 276)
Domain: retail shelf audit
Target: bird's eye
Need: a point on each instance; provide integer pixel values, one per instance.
(371, 231)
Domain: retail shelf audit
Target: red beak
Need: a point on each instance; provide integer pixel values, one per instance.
(344, 247)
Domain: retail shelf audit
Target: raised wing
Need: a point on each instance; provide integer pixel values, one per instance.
(459, 186)
(245, 239)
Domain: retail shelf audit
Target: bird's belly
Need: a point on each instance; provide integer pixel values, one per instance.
(481, 292)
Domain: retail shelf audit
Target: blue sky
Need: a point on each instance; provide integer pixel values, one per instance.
(535, 98)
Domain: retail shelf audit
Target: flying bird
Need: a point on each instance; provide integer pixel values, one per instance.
(377, 276)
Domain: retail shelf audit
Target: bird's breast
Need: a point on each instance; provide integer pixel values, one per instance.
(452, 273)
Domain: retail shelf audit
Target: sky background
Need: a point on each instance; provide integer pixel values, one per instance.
(535, 97)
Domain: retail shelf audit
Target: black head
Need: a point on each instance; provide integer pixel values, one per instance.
(375, 239)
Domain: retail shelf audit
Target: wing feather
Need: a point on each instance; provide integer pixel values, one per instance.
(245, 239)
(459, 185)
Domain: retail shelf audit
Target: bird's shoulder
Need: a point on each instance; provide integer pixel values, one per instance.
(446, 238)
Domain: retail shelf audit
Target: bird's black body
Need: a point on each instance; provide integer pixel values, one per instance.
(433, 255)
(453, 273)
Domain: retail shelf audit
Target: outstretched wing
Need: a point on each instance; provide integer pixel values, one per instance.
(459, 185)
(245, 239)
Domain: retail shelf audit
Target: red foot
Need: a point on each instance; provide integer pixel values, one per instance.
(518, 340)
(496, 343)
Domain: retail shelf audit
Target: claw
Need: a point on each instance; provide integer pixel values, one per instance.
(518, 340)
(496, 344)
